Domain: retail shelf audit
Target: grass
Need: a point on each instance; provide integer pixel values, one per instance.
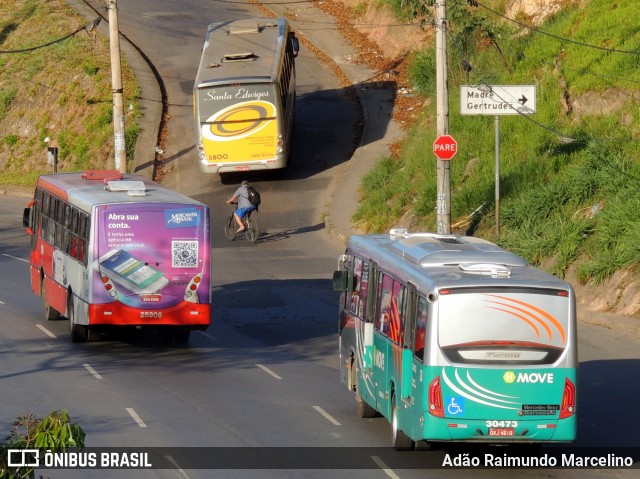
(62, 91)
(561, 204)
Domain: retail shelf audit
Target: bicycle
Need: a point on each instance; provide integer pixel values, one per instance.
(251, 229)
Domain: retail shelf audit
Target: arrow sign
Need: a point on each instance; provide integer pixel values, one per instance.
(497, 100)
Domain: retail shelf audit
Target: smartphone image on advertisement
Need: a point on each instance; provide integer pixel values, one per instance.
(126, 270)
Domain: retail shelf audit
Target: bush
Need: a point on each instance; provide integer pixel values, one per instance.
(55, 433)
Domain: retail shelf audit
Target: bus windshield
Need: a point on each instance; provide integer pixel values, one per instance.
(523, 325)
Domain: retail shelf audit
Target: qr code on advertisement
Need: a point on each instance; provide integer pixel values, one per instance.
(184, 254)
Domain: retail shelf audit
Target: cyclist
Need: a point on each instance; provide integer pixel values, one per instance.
(241, 196)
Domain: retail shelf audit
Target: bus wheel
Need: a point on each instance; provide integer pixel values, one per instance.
(364, 410)
(50, 312)
(78, 332)
(399, 440)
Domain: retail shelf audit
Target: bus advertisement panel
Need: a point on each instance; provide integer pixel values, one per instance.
(238, 123)
(153, 257)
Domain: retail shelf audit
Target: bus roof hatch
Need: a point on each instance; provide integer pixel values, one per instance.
(133, 188)
(489, 269)
(243, 27)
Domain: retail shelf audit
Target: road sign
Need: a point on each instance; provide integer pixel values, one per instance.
(445, 147)
(497, 100)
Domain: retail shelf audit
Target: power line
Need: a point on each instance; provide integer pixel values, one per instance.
(87, 27)
(557, 37)
(608, 77)
(563, 138)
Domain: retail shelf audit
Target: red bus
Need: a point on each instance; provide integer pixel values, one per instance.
(112, 249)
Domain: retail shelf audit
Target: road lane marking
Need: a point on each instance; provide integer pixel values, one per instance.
(92, 371)
(2, 302)
(15, 257)
(327, 416)
(386, 469)
(46, 331)
(135, 417)
(269, 371)
(180, 474)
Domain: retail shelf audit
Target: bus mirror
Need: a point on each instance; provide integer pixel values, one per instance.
(26, 219)
(296, 45)
(340, 279)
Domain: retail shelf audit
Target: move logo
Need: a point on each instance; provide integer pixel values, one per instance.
(531, 378)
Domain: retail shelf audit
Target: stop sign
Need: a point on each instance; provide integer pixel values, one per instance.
(445, 147)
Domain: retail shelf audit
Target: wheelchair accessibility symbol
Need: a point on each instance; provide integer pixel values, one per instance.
(455, 405)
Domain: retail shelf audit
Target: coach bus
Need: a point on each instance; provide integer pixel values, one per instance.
(113, 249)
(244, 95)
(455, 339)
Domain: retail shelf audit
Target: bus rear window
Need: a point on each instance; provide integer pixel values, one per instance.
(510, 326)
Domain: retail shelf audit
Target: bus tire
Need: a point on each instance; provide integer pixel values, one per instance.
(399, 440)
(50, 312)
(364, 410)
(351, 374)
(78, 332)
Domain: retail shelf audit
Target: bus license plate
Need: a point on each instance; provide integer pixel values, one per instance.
(242, 168)
(501, 431)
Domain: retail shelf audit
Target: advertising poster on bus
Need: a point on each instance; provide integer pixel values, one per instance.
(238, 124)
(151, 255)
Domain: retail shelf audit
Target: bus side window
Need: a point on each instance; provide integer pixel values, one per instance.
(396, 320)
(383, 313)
(66, 228)
(356, 303)
(421, 328)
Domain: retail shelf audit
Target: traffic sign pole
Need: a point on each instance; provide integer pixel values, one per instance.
(497, 176)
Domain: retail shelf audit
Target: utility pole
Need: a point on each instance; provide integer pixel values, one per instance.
(120, 152)
(443, 178)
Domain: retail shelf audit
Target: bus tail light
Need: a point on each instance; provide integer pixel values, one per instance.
(436, 407)
(190, 292)
(110, 287)
(568, 405)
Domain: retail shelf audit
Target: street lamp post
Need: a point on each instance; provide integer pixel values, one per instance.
(120, 152)
(443, 176)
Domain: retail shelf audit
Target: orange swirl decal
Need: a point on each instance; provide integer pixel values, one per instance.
(239, 121)
(529, 313)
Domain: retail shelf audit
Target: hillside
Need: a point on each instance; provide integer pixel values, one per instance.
(55, 82)
(569, 173)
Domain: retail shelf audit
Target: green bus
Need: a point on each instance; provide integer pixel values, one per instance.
(453, 338)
